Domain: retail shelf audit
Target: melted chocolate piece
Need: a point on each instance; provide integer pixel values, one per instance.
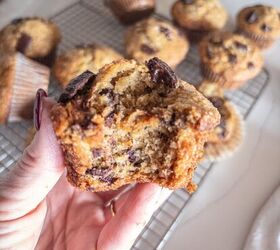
(103, 174)
(251, 17)
(165, 31)
(79, 85)
(161, 73)
(187, 1)
(266, 28)
(148, 90)
(232, 58)
(172, 119)
(147, 49)
(87, 123)
(240, 46)
(250, 65)
(110, 119)
(218, 102)
(23, 42)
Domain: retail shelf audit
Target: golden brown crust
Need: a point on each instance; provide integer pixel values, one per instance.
(34, 37)
(77, 60)
(156, 38)
(132, 123)
(201, 15)
(228, 58)
(7, 68)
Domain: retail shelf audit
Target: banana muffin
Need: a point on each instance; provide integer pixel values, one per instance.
(228, 135)
(229, 59)
(35, 37)
(156, 38)
(199, 17)
(132, 122)
(261, 23)
(84, 57)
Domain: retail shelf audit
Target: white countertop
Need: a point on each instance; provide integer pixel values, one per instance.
(224, 207)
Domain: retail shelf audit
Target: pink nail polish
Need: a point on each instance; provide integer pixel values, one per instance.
(38, 107)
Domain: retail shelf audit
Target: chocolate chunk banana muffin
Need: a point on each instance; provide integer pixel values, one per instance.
(261, 23)
(227, 136)
(229, 59)
(199, 17)
(153, 37)
(35, 37)
(84, 57)
(132, 122)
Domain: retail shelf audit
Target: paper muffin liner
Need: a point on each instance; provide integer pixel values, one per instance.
(261, 41)
(29, 76)
(223, 150)
(129, 11)
(226, 84)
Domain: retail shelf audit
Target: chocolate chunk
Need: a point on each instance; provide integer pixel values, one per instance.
(147, 49)
(232, 58)
(250, 65)
(187, 1)
(162, 94)
(266, 28)
(148, 90)
(218, 102)
(87, 123)
(240, 46)
(23, 42)
(161, 73)
(96, 152)
(109, 93)
(252, 17)
(17, 20)
(165, 31)
(110, 119)
(79, 85)
(103, 174)
(172, 119)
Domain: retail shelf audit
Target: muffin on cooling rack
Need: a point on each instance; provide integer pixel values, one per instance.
(228, 135)
(35, 37)
(153, 37)
(199, 17)
(130, 11)
(84, 57)
(261, 23)
(229, 59)
(20, 78)
(132, 122)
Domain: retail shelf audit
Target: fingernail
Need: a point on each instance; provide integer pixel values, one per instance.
(38, 107)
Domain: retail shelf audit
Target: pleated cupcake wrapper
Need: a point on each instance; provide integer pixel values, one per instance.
(126, 10)
(29, 76)
(261, 41)
(210, 75)
(223, 150)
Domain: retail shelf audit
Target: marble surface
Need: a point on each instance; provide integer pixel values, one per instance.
(224, 208)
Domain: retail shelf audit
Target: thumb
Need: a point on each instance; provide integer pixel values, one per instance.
(30, 180)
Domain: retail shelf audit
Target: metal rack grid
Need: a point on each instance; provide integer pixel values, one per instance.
(88, 21)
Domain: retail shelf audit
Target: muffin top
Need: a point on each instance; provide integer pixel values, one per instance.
(260, 20)
(84, 57)
(6, 84)
(153, 37)
(199, 14)
(231, 55)
(33, 36)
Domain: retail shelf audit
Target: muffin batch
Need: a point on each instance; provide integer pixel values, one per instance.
(120, 121)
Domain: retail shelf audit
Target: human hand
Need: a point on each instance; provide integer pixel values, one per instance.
(40, 209)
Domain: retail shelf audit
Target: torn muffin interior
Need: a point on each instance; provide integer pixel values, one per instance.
(132, 123)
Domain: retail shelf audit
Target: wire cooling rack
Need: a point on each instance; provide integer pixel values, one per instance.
(89, 21)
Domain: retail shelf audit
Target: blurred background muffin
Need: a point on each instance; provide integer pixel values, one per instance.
(229, 59)
(129, 11)
(20, 77)
(228, 135)
(156, 38)
(260, 23)
(35, 37)
(199, 17)
(84, 57)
